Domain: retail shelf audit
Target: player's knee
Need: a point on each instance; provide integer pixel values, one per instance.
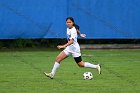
(57, 59)
(80, 64)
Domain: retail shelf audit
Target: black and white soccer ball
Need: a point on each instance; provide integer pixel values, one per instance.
(87, 76)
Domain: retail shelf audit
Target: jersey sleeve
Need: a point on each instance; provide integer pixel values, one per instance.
(73, 34)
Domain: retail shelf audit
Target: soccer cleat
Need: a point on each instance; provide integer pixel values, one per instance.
(99, 68)
(49, 75)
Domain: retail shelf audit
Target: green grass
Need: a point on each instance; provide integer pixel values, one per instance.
(22, 72)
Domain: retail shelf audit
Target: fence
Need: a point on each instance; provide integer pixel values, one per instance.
(99, 19)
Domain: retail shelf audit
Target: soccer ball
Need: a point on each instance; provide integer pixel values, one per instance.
(87, 76)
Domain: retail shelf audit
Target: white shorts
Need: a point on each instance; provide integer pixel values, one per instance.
(75, 52)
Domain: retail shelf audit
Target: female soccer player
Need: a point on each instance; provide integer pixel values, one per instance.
(72, 47)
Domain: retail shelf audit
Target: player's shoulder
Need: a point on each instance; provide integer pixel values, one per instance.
(73, 30)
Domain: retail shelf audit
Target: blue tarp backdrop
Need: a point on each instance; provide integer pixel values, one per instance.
(99, 19)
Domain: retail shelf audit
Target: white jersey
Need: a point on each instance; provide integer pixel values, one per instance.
(74, 48)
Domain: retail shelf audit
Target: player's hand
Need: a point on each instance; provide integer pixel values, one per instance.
(83, 35)
(60, 46)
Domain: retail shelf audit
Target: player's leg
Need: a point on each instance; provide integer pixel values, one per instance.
(81, 63)
(58, 60)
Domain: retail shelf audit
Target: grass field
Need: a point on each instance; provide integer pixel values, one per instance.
(22, 72)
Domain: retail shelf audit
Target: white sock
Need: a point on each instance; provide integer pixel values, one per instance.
(55, 67)
(89, 65)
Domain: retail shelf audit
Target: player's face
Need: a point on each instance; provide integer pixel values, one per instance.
(69, 23)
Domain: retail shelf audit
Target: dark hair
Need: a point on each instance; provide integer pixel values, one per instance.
(75, 25)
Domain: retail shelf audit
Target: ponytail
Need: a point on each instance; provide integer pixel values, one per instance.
(76, 26)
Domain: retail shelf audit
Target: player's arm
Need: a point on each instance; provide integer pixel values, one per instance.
(81, 35)
(67, 44)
